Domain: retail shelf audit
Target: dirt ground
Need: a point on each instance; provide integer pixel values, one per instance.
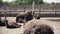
(54, 24)
(4, 30)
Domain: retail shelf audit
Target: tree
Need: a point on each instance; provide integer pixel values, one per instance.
(19, 2)
(22, 2)
(40, 2)
(36, 1)
(1, 2)
(53, 3)
(5, 3)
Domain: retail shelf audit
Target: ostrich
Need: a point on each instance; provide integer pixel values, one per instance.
(27, 16)
(33, 27)
(20, 17)
(12, 25)
(9, 24)
(1, 22)
(36, 15)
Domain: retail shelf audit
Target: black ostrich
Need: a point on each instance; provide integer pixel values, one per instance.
(11, 24)
(34, 27)
(2, 23)
(20, 17)
(7, 24)
(24, 16)
(29, 16)
(36, 15)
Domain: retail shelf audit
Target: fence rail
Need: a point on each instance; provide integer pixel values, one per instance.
(44, 10)
(41, 13)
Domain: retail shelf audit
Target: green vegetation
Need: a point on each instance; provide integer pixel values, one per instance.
(21, 2)
(1, 2)
(5, 3)
(29, 1)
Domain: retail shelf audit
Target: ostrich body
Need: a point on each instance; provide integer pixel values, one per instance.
(27, 16)
(12, 25)
(35, 27)
(2, 23)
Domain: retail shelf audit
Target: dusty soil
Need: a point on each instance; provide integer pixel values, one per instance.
(54, 24)
(4, 30)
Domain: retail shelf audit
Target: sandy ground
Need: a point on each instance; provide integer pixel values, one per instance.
(4, 30)
(54, 24)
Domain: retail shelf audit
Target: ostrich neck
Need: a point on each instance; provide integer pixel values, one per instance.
(6, 23)
(0, 19)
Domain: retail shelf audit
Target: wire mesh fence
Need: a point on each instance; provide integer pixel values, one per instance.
(44, 10)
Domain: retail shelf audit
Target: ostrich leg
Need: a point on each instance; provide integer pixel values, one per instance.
(5, 17)
(0, 18)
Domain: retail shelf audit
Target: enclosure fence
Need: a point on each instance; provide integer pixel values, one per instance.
(42, 10)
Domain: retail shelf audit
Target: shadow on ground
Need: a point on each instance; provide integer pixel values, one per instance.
(56, 20)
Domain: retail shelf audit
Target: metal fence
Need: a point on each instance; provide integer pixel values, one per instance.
(43, 10)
